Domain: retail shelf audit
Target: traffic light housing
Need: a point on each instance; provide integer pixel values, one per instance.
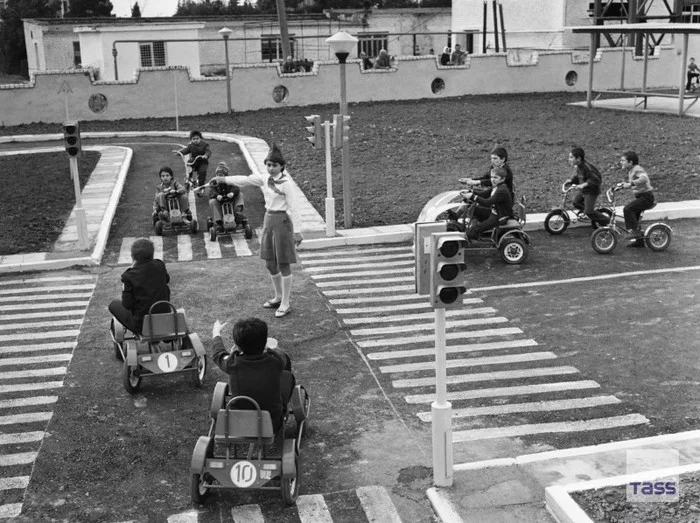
(71, 138)
(447, 286)
(341, 130)
(315, 130)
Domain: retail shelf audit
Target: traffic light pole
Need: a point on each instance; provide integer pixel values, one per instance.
(80, 219)
(441, 409)
(330, 201)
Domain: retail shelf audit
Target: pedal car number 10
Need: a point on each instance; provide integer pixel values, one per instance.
(243, 474)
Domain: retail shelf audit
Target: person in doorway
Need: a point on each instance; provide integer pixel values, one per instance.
(458, 56)
(366, 62)
(383, 61)
(445, 56)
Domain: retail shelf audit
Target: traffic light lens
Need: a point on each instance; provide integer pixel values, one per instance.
(449, 249)
(449, 272)
(72, 140)
(70, 129)
(449, 295)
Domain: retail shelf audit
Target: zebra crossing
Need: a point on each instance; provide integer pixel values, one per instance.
(185, 247)
(40, 319)
(375, 502)
(500, 382)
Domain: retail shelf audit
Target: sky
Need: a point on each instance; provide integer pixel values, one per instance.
(148, 7)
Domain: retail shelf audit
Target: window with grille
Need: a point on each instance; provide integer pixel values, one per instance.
(77, 60)
(152, 54)
(691, 14)
(271, 47)
(372, 43)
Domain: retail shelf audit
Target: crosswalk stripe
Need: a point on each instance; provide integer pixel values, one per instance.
(497, 392)
(304, 255)
(378, 505)
(351, 261)
(546, 428)
(21, 437)
(313, 509)
(36, 315)
(26, 402)
(40, 335)
(399, 307)
(43, 306)
(391, 342)
(339, 268)
(10, 510)
(46, 297)
(21, 458)
(14, 483)
(247, 514)
(40, 324)
(22, 387)
(410, 298)
(184, 247)
(535, 406)
(69, 345)
(213, 249)
(25, 281)
(35, 373)
(28, 360)
(334, 276)
(402, 329)
(30, 417)
(376, 281)
(417, 316)
(158, 246)
(452, 349)
(125, 251)
(184, 517)
(241, 247)
(487, 376)
(470, 362)
(370, 290)
(52, 288)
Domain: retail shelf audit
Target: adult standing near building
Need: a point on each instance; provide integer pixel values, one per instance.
(458, 56)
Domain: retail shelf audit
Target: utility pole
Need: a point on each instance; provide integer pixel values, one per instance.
(284, 33)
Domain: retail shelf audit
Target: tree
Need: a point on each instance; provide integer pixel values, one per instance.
(89, 8)
(136, 11)
(12, 45)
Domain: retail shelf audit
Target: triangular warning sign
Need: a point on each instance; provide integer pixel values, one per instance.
(65, 88)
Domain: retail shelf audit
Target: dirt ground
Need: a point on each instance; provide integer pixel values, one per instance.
(403, 153)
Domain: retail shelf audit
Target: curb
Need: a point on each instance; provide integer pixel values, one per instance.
(443, 507)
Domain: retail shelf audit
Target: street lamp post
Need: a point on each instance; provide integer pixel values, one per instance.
(341, 44)
(226, 32)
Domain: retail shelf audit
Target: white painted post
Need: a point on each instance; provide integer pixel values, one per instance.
(80, 220)
(441, 409)
(330, 201)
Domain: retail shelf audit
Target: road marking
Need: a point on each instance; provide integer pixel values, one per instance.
(548, 428)
(452, 349)
(336, 268)
(487, 376)
(26, 402)
(470, 362)
(313, 509)
(11, 510)
(54, 288)
(241, 246)
(21, 437)
(496, 392)
(39, 324)
(25, 281)
(40, 335)
(382, 250)
(335, 276)
(376, 281)
(426, 326)
(371, 290)
(419, 316)
(394, 307)
(22, 458)
(535, 406)
(247, 514)
(338, 260)
(184, 248)
(378, 505)
(410, 298)
(14, 483)
(158, 246)
(390, 342)
(42, 306)
(36, 315)
(125, 251)
(21, 387)
(184, 517)
(46, 297)
(70, 345)
(34, 373)
(28, 360)
(213, 248)
(30, 417)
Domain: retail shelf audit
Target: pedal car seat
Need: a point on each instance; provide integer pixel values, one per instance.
(166, 326)
(244, 426)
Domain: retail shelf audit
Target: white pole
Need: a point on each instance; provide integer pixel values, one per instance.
(441, 410)
(330, 201)
(177, 116)
(66, 102)
(681, 87)
(80, 220)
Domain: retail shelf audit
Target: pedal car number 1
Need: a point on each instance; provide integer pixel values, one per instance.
(167, 362)
(243, 474)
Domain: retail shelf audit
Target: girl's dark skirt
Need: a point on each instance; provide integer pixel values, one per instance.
(277, 242)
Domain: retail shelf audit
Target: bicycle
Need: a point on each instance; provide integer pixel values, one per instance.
(559, 218)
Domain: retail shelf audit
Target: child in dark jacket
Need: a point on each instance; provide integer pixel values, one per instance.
(169, 187)
(220, 192)
(144, 283)
(494, 205)
(198, 147)
(255, 370)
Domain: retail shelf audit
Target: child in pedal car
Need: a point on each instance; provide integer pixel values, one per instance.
(218, 192)
(169, 187)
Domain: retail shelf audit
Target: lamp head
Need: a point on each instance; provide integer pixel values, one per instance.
(342, 43)
(225, 32)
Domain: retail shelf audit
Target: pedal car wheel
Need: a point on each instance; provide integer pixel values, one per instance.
(603, 240)
(290, 486)
(556, 221)
(212, 234)
(513, 251)
(194, 226)
(131, 378)
(248, 231)
(199, 489)
(658, 237)
(158, 228)
(200, 366)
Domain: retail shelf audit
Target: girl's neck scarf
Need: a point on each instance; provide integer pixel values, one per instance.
(273, 183)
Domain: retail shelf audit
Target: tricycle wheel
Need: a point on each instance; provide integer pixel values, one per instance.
(513, 251)
(118, 352)
(248, 231)
(556, 221)
(158, 228)
(658, 237)
(603, 210)
(199, 489)
(603, 240)
(131, 378)
(200, 369)
(212, 233)
(194, 226)
(290, 486)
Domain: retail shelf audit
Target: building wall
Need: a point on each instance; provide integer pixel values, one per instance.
(166, 92)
